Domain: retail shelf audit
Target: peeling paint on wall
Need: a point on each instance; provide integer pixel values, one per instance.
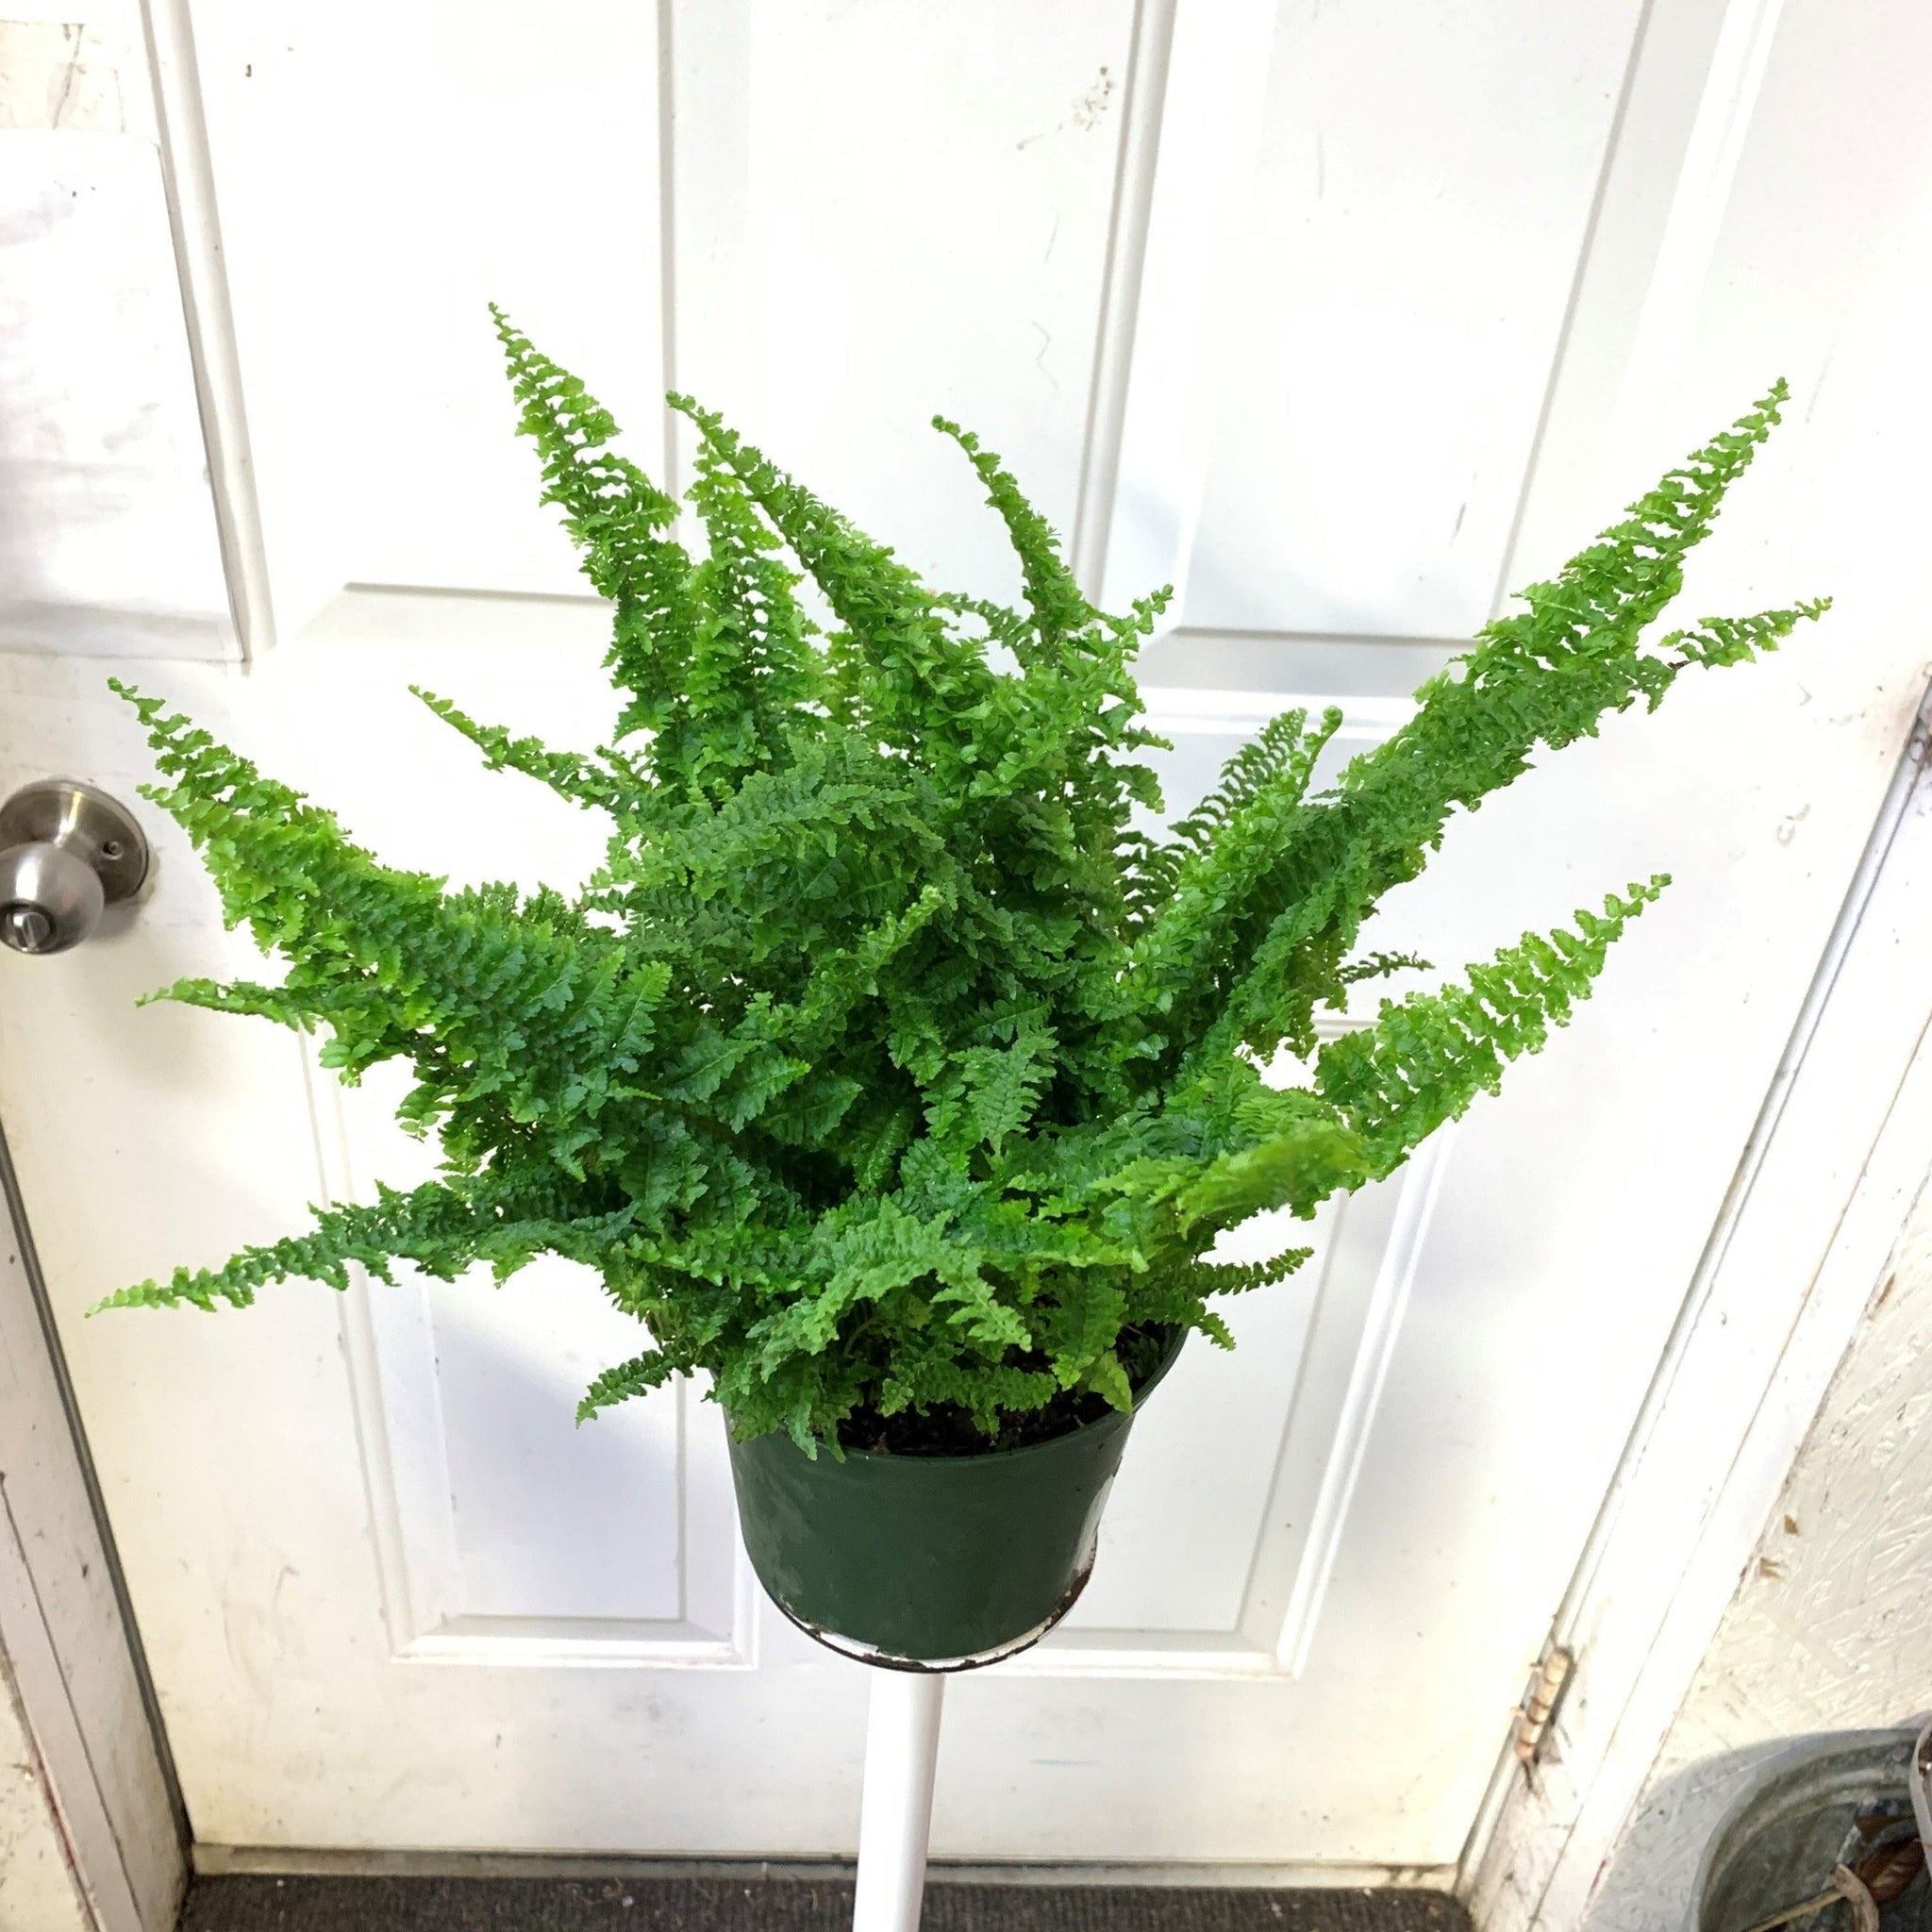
(72, 79)
(1829, 1629)
(38, 1891)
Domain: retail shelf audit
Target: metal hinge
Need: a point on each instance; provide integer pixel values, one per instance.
(1541, 1700)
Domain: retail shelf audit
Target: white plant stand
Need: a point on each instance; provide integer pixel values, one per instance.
(902, 1745)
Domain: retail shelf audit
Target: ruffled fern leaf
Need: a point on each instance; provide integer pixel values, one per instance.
(570, 774)
(627, 1381)
(1428, 1057)
(617, 516)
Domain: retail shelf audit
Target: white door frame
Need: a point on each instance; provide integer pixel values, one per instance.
(65, 1626)
(1839, 1152)
(195, 222)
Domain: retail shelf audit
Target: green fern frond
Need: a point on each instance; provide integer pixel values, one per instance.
(1539, 678)
(617, 517)
(1060, 611)
(625, 1382)
(570, 774)
(1427, 1058)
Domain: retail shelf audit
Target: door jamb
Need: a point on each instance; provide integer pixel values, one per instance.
(1778, 1294)
(66, 1624)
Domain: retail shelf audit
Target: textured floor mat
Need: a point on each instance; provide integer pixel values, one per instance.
(782, 1905)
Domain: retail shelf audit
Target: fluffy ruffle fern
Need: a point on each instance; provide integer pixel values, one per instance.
(884, 1063)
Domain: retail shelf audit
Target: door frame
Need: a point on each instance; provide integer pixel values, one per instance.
(1823, 1187)
(67, 1630)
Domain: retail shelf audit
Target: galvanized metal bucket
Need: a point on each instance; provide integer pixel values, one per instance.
(1822, 1803)
(930, 1562)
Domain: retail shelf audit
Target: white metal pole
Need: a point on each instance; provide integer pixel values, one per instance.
(901, 1744)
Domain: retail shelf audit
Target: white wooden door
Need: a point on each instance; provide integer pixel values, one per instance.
(1342, 318)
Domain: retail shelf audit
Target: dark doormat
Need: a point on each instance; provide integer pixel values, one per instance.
(255, 1903)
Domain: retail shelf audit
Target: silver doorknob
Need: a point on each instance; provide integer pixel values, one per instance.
(66, 850)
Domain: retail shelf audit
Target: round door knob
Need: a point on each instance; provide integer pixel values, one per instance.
(66, 851)
(49, 898)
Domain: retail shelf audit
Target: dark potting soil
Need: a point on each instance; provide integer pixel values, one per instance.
(947, 1429)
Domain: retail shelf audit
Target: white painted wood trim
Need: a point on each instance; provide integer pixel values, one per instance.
(669, 419)
(62, 1626)
(1362, 1399)
(1120, 299)
(188, 175)
(416, 1574)
(1666, 180)
(222, 1861)
(1213, 94)
(103, 1899)
(1691, 230)
(1764, 1324)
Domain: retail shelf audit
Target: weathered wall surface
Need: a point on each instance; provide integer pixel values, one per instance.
(1831, 1627)
(37, 1888)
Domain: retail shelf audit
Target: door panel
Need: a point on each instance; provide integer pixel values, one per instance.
(108, 538)
(1377, 329)
(1411, 217)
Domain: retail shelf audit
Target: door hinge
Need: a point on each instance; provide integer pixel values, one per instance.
(1541, 1700)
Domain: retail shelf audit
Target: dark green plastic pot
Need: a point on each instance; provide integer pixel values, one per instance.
(930, 1562)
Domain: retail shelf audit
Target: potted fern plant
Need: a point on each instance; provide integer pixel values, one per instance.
(886, 1071)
